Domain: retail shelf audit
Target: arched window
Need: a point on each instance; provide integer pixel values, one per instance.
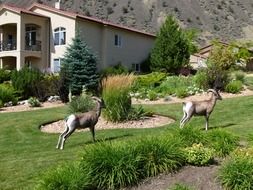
(59, 36)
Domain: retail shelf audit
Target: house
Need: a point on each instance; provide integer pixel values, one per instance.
(37, 36)
(198, 60)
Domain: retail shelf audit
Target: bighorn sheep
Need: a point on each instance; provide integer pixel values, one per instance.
(81, 121)
(200, 108)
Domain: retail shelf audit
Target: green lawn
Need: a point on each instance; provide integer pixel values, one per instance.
(26, 152)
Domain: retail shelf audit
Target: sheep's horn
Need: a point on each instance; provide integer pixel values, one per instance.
(212, 90)
(96, 98)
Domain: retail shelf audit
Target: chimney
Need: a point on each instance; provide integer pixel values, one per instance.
(57, 4)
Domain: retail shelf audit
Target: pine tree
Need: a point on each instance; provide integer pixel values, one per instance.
(79, 67)
(172, 47)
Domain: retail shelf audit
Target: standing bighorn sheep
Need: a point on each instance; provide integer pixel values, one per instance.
(81, 121)
(200, 108)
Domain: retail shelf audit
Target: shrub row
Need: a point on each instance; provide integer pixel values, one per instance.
(113, 165)
(119, 164)
(237, 172)
(7, 94)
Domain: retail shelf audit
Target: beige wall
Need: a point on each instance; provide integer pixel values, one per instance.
(58, 20)
(42, 35)
(100, 38)
(91, 33)
(9, 17)
(135, 47)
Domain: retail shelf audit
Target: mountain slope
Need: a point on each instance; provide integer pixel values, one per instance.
(226, 20)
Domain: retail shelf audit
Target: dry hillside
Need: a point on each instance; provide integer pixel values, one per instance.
(224, 19)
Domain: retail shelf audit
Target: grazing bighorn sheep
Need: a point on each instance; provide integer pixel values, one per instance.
(81, 121)
(200, 108)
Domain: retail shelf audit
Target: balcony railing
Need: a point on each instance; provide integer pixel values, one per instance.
(34, 47)
(8, 46)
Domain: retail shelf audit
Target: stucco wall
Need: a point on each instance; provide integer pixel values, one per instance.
(58, 20)
(42, 35)
(91, 33)
(135, 47)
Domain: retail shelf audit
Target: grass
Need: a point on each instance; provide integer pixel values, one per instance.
(249, 82)
(26, 152)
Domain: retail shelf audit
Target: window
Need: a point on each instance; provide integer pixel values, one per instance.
(28, 63)
(57, 65)
(59, 36)
(30, 35)
(136, 67)
(117, 40)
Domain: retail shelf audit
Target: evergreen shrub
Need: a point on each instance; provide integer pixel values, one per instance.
(7, 94)
(115, 70)
(148, 81)
(79, 68)
(5, 75)
(34, 102)
(81, 104)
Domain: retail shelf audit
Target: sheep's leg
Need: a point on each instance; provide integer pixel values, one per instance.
(207, 118)
(189, 114)
(60, 137)
(92, 130)
(71, 130)
(182, 120)
(188, 117)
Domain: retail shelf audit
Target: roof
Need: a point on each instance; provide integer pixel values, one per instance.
(200, 55)
(92, 19)
(19, 10)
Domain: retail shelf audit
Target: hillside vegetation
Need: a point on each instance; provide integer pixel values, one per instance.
(222, 19)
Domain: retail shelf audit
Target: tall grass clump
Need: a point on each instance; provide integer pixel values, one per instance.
(116, 96)
(180, 187)
(110, 165)
(65, 176)
(121, 164)
(222, 141)
(237, 173)
(190, 135)
(158, 155)
(234, 86)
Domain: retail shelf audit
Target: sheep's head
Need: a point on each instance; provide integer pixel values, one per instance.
(100, 101)
(215, 93)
